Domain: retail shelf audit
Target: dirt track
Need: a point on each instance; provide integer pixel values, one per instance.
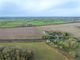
(21, 40)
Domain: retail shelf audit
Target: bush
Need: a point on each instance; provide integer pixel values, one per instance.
(14, 53)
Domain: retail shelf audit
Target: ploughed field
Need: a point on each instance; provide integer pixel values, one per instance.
(37, 32)
(20, 33)
(73, 28)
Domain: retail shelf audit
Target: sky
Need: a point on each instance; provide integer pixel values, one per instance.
(24, 8)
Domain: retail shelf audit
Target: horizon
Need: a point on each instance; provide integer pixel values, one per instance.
(39, 16)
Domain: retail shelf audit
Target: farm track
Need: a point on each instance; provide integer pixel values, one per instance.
(21, 40)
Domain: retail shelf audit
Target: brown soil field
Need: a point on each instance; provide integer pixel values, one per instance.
(72, 28)
(20, 33)
(37, 32)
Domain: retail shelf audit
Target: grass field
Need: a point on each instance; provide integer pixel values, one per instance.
(41, 50)
(23, 23)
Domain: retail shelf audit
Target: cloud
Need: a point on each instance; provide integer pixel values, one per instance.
(39, 7)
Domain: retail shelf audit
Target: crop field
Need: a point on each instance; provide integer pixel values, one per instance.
(41, 50)
(28, 23)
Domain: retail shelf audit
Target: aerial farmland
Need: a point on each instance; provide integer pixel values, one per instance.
(39, 29)
(18, 34)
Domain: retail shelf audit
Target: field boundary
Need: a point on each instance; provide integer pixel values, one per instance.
(21, 40)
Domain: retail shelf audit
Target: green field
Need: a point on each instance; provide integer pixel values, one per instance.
(41, 50)
(25, 23)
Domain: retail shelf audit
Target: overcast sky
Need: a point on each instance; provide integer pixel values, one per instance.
(39, 8)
